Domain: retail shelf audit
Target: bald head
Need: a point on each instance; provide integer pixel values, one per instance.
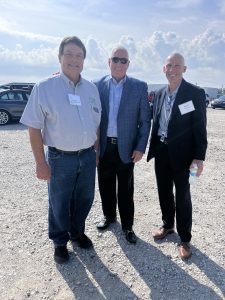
(176, 56)
(174, 68)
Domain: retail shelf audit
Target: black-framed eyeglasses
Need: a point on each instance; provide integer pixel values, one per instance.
(122, 60)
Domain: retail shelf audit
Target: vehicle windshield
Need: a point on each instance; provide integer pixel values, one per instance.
(221, 98)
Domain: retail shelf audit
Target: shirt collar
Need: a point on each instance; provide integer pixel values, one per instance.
(121, 82)
(174, 93)
(69, 82)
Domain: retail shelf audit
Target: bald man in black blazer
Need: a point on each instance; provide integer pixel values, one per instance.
(178, 140)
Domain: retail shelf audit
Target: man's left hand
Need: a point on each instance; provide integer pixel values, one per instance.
(137, 155)
(199, 164)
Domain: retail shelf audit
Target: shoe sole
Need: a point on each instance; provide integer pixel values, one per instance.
(186, 257)
(102, 227)
(106, 226)
(170, 231)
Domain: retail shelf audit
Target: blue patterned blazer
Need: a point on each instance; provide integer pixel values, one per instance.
(133, 120)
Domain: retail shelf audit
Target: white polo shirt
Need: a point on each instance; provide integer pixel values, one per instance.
(67, 115)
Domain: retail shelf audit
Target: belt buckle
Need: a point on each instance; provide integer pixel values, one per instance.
(113, 141)
(163, 139)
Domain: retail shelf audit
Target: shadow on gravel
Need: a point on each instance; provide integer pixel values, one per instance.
(212, 270)
(89, 278)
(165, 279)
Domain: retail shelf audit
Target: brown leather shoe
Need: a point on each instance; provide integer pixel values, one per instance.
(185, 250)
(161, 233)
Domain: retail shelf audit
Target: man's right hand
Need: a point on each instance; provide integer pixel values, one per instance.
(43, 171)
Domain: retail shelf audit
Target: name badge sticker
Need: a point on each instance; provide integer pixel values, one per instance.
(74, 99)
(186, 107)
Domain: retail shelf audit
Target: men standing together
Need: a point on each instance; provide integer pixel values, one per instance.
(108, 122)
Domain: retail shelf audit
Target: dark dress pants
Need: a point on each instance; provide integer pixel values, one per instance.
(167, 177)
(116, 184)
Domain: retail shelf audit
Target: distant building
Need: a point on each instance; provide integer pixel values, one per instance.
(155, 87)
(212, 92)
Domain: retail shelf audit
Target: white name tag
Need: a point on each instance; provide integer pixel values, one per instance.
(74, 99)
(186, 107)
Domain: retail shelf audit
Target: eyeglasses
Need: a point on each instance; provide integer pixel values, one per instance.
(70, 55)
(123, 61)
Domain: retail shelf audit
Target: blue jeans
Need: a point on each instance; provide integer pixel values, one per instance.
(71, 193)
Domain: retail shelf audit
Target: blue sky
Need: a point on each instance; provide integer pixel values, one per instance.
(30, 32)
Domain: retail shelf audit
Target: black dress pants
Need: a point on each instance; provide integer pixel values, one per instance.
(116, 184)
(167, 177)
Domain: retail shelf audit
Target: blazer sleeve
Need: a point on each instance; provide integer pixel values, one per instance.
(144, 125)
(199, 125)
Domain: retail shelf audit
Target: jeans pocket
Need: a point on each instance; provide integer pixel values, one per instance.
(53, 155)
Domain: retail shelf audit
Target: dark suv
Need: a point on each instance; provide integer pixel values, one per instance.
(12, 104)
(18, 85)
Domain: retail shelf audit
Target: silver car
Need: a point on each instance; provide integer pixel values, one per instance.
(12, 104)
(218, 103)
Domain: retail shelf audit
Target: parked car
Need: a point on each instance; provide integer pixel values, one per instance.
(151, 96)
(218, 103)
(18, 85)
(12, 104)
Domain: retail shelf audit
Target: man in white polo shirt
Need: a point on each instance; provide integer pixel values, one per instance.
(63, 113)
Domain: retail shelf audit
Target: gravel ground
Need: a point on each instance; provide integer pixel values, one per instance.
(114, 269)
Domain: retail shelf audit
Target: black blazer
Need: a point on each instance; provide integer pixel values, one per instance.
(187, 135)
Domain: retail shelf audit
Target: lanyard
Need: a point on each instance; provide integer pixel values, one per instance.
(168, 102)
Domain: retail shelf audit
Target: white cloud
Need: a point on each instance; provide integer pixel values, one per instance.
(30, 36)
(35, 57)
(204, 54)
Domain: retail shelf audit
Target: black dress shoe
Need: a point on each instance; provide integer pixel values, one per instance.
(130, 236)
(104, 223)
(61, 254)
(83, 241)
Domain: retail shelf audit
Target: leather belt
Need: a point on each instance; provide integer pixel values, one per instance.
(112, 140)
(70, 152)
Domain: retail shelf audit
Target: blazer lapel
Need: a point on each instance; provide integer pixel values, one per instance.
(159, 103)
(105, 93)
(124, 96)
(179, 99)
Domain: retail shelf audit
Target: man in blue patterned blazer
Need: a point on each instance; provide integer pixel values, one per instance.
(124, 131)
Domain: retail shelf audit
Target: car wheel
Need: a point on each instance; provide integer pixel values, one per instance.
(4, 117)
